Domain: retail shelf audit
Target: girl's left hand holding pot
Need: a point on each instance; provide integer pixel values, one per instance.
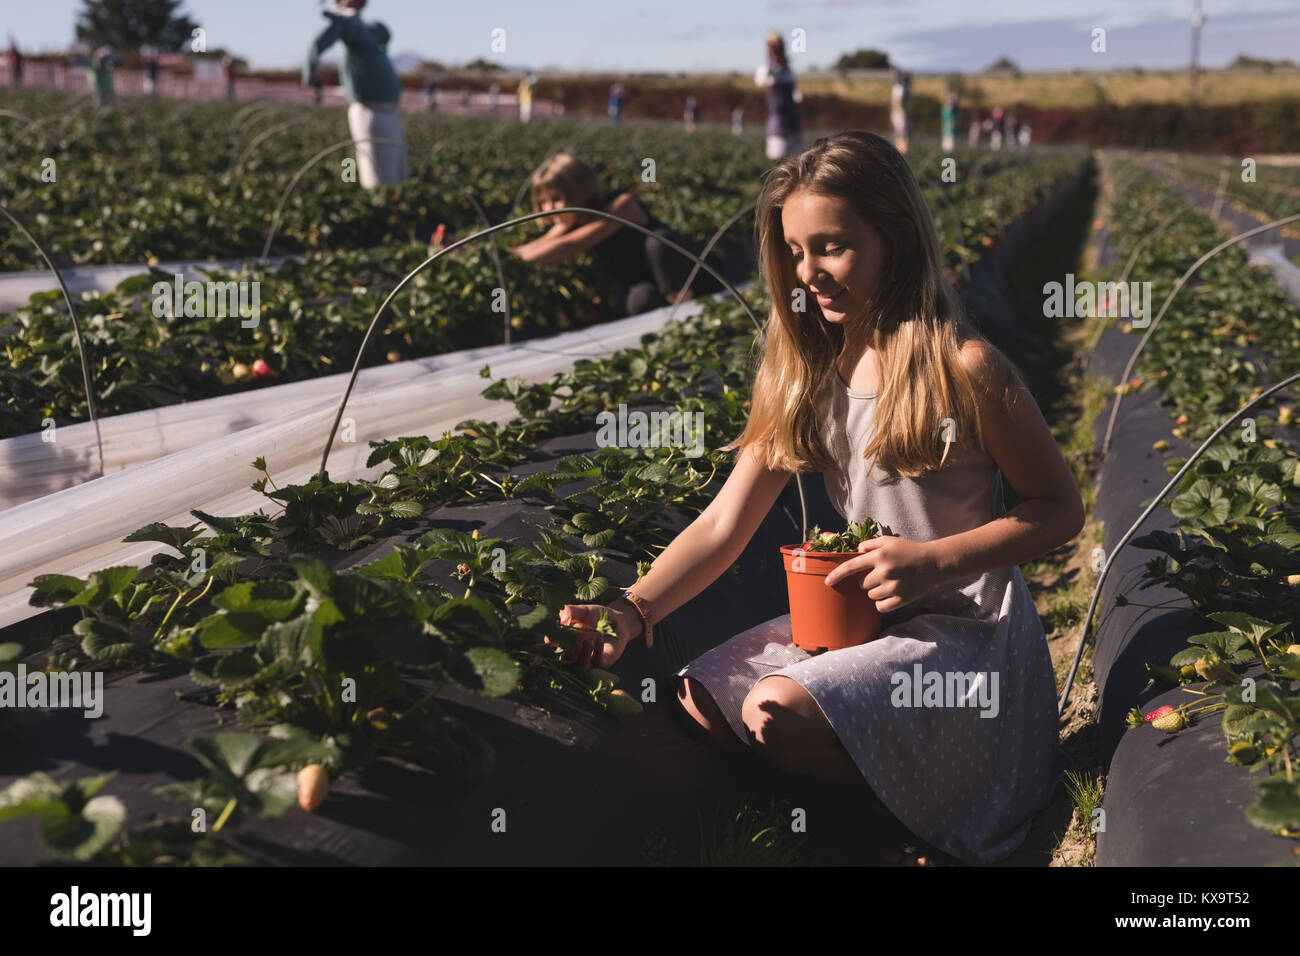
(897, 570)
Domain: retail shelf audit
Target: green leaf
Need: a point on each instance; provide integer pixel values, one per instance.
(230, 629)
(318, 577)
(28, 795)
(177, 538)
(82, 835)
(55, 589)
(273, 600)
(1257, 628)
(1278, 804)
(406, 509)
(495, 674)
(109, 582)
(97, 635)
(533, 617)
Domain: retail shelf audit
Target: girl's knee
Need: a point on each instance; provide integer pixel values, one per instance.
(643, 297)
(774, 714)
(701, 714)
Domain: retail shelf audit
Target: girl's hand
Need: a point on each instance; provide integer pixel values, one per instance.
(600, 650)
(898, 571)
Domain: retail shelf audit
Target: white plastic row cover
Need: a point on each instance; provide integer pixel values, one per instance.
(80, 529)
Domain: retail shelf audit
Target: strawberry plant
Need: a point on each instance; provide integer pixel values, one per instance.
(1237, 506)
(841, 541)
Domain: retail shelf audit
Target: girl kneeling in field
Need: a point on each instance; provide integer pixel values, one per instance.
(863, 385)
(650, 274)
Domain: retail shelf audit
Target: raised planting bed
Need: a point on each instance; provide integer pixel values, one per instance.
(1224, 543)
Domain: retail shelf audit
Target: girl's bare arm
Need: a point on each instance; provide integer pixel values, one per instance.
(565, 245)
(1050, 512)
(713, 541)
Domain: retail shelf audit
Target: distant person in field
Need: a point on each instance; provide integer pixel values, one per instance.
(691, 114)
(949, 122)
(900, 109)
(784, 132)
(102, 63)
(149, 57)
(15, 63)
(649, 273)
(228, 75)
(737, 121)
(526, 98)
(371, 84)
(996, 125)
(616, 99)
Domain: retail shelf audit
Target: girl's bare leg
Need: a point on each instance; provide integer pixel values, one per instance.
(788, 728)
(695, 705)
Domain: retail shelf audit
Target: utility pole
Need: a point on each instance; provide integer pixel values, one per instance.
(1198, 20)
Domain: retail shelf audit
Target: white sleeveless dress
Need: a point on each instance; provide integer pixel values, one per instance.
(950, 715)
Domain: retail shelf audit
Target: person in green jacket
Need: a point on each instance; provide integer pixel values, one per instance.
(100, 70)
(372, 86)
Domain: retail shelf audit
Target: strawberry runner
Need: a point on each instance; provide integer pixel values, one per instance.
(965, 774)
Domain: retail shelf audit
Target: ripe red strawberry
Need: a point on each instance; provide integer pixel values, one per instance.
(1158, 712)
(438, 235)
(264, 372)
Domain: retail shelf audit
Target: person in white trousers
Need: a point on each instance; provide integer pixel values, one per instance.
(371, 83)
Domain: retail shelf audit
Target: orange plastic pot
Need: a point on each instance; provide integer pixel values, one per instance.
(824, 618)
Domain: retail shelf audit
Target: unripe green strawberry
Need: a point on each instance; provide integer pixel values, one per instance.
(1171, 722)
(313, 784)
(595, 675)
(1243, 752)
(1188, 671)
(1164, 674)
(622, 704)
(1211, 667)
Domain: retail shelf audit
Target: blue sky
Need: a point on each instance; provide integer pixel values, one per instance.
(690, 35)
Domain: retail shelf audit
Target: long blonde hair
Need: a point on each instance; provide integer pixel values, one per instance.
(915, 323)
